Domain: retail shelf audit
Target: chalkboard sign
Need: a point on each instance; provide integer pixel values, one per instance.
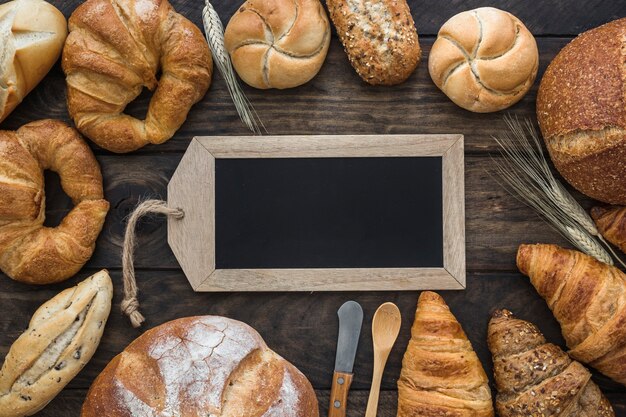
(317, 213)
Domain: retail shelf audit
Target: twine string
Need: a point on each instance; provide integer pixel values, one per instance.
(130, 303)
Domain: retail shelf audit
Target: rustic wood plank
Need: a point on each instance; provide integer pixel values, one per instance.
(302, 327)
(496, 223)
(573, 17)
(335, 102)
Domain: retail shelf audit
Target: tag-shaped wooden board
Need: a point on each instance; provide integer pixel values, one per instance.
(320, 213)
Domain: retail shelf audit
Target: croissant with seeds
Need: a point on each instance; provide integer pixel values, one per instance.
(536, 378)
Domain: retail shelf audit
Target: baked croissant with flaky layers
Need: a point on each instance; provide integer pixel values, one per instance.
(536, 378)
(588, 298)
(441, 374)
(116, 48)
(611, 222)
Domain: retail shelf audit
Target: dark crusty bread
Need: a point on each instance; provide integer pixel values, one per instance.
(581, 108)
(379, 37)
(200, 366)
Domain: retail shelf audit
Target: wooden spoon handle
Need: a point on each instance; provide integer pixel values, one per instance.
(339, 394)
(379, 366)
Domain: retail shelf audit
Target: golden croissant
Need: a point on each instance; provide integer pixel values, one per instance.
(611, 223)
(441, 374)
(588, 298)
(536, 378)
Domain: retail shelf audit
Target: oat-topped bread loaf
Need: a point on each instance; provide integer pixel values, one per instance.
(536, 378)
(200, 366)
(581, 108)
(379, 37)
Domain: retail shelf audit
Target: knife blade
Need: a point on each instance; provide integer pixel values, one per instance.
(350, 321)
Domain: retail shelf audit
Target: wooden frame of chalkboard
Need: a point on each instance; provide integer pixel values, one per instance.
(192, 189)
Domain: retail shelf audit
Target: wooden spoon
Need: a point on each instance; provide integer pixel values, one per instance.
(385, 329)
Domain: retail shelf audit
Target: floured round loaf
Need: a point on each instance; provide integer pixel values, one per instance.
(581, 109)
(200, 366)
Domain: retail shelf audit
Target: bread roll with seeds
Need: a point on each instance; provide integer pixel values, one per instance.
(61, 338)
(379, 37)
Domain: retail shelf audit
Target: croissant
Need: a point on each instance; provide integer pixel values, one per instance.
(29, 251)
(611, 223)
(588, 298)
(535, 378)
(441, 374)
(116, 48)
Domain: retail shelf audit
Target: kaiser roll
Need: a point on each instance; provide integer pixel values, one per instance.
(484, 60)
(278, 43)
(200, 366)
(581, 108)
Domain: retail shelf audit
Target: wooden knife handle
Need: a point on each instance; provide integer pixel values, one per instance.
(339, 394)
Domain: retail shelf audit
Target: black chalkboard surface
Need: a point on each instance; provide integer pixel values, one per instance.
(328, 213)
(320, 213)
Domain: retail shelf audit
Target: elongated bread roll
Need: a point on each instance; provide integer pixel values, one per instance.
(611, 222)
(379, 37)
(61, 338)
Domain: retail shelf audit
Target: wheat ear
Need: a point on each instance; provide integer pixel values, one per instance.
(524, 172)
(214, 31)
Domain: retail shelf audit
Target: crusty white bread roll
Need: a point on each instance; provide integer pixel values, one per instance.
(581, 109)
(279, 43)
(32, 33)
(379, 37)
(484, 60)
(200, 366)
(61, 338)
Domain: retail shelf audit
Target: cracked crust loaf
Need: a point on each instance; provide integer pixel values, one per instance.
(536, 378)
(379, 37)
(278, 43)
(581, 109)
(441, 374)
(484, 60)
(200, 366)
(61, 338)
(32, 33)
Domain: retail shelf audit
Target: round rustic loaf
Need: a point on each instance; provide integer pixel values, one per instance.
(484, 60)
(581, 108)
(278, 44)
(200, 366)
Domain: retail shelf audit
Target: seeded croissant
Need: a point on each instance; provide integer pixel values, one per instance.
(588, 298)
(536, 378)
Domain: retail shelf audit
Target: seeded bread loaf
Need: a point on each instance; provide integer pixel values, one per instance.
(200, 366)
(379, 37)
(61, 338)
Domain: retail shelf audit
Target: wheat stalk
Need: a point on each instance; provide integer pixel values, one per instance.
(524, 172)
(214, 31)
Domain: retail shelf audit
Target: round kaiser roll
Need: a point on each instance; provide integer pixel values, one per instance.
(581, 108)
(278, 43)
(200, 366)
(484, 59)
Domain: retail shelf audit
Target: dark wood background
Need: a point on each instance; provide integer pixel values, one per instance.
(303, 326)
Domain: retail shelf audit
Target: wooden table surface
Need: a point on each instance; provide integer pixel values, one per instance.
(302, 327)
